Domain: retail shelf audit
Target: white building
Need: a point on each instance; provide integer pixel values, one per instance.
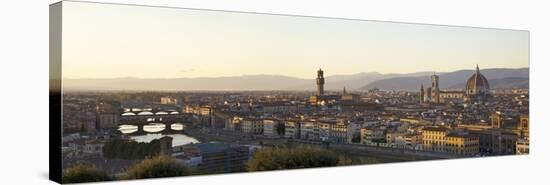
(292, 129)
(270, 127)
(309, 130)
(252, 126)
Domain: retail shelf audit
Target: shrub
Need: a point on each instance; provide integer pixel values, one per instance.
(159, 166)
(84, 173)
(300, 157)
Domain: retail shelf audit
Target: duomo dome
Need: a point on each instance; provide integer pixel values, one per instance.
(477, 84)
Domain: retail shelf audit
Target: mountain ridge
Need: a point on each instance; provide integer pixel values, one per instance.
(357, 81)
(447, 80)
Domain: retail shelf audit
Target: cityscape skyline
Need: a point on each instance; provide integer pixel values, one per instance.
(198, 43)
(149, 92)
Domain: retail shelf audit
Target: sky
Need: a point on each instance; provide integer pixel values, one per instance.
(112, 41)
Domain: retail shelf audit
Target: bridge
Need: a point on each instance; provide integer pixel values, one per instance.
(147, 117)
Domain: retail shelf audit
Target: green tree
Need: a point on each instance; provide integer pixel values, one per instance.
(280, 129)
(83, 128)
(159, 166)
(123, 149)
(300, 157)
(356, 139)
(84, 173)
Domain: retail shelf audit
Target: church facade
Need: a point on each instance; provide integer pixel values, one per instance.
(477, 90)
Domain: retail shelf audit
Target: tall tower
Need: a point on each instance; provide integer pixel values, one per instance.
(320, 82)
(435, 88)
(421, 93)
(428, 95)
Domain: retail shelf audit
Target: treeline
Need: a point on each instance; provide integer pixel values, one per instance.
(124, 149)
(84, 173)
(272, 158)
(150, 167)
(279, 158)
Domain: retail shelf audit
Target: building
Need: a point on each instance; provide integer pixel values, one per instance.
(455, 96)
(391, 137)
(434, 138)
(270, 127)
(166, 100)
(428, 95)
(371, 135)
(292, 129)
(421, 95)
(434, 94)
(523, 126)
(215, 157)
(320, 83)
(497, 120)
(276, 107)
(354, 132)
(320, 98)
(108, 120)
(324, 129)
(477, 87)
(93, 147)
(503, 142)
(522, 146)
(409, 141)
(252, 125)
(494, 141)
(205, 113)
(235, 124)
(435, 89)
(348, 97)
(477, 90)
(441, 139)
(89, 123)
(309, 130)
(338, 132)
(462, 144)
(201, 110)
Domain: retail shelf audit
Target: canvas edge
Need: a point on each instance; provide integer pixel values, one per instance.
(55, 92)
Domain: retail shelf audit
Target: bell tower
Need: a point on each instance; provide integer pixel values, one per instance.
(435, 88)
(320, 83)
(421, 93)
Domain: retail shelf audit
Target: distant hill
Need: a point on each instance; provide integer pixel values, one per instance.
(352, 81)
(365, 80)
(498, 77)
(252, 82)
(247, 82)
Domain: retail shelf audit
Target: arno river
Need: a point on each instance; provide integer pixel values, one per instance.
(178, 139)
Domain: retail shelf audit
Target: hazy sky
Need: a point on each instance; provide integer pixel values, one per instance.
(106, 41)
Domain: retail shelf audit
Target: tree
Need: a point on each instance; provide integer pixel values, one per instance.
(83, 128)
(278, 158)
(159, 166)
(84, 173)
(356, 139)
(280, 129)
(123, 149)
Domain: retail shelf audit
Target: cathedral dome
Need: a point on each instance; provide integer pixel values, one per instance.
(477, 84)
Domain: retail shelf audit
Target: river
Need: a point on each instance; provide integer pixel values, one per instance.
(178, 139)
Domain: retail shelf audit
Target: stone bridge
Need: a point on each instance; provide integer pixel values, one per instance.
(143, 118)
